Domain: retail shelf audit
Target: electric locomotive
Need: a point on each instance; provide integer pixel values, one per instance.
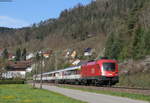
(100, 72)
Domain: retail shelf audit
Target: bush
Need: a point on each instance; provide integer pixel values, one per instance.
(12, 81)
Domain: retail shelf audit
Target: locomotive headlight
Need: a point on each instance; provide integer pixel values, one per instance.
(116, 73)
(110, 74)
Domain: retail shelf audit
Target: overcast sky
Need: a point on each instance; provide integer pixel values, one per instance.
(20, 13)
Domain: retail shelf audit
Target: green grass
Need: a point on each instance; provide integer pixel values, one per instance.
(121, 94)
(20, 93)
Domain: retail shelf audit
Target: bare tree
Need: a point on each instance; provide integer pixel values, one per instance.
(37, 60)
(35, 74)
(3, 65)
(42, 65)
(56, 61)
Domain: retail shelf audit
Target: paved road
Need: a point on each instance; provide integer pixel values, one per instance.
(90, 97)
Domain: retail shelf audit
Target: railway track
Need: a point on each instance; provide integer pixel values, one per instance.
(144, 91)
(130, 88)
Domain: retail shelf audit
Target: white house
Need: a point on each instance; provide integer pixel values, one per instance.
(31, 55)
(16, 69)
(88, 52)
(14, 74)
(76, 62)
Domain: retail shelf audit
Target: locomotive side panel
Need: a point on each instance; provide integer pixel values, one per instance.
(92, 70)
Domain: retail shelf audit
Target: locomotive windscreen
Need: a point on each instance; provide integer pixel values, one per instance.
(109, 66)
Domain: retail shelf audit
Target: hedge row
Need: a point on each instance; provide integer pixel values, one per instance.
(12, 81)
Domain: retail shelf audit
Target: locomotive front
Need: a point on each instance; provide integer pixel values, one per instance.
(108, 71)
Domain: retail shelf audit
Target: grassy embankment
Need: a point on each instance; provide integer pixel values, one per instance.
(121, 94)
(26, 94)
(137, 80)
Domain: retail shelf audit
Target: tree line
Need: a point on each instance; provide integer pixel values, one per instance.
(19, 55)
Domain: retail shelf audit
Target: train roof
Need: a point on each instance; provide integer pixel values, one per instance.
(72, 68)
(67, 69)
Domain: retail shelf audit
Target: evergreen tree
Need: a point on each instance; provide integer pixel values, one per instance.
(24, 53)
(113, 46)
(110, 41)
(5, 54)
(37, 57)
(18, 54)
(142, 43)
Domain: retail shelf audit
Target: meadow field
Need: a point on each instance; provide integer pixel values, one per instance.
(21, 93)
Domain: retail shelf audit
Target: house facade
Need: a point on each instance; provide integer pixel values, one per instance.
(1, 51)
(17, 69)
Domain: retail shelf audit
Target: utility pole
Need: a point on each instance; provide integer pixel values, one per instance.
(92, 20)
(35, 72)
(56, 61)
(41, 70)
(34, 79)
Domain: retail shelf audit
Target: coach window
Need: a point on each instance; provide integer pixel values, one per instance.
(66, 73)
(54, 75)
(63, 73)
(69, 73)
(50, 75)
(78, 71)
(75, 72)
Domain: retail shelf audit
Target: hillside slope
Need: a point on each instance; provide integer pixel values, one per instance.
(118, 21)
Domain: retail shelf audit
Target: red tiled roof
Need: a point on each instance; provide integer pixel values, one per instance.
(48, 52)
(19, 65)
(10, 55)
(1, 49)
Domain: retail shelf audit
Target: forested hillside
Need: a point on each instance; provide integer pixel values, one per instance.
(123, 24)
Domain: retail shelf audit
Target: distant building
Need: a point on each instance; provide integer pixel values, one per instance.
(76, 62)
(29, 56)
(47, 54)
(68, 52)
(11, 56)
(88, 52)
(1, 51)
(17, 69)
(74, 53)
(29, 69)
